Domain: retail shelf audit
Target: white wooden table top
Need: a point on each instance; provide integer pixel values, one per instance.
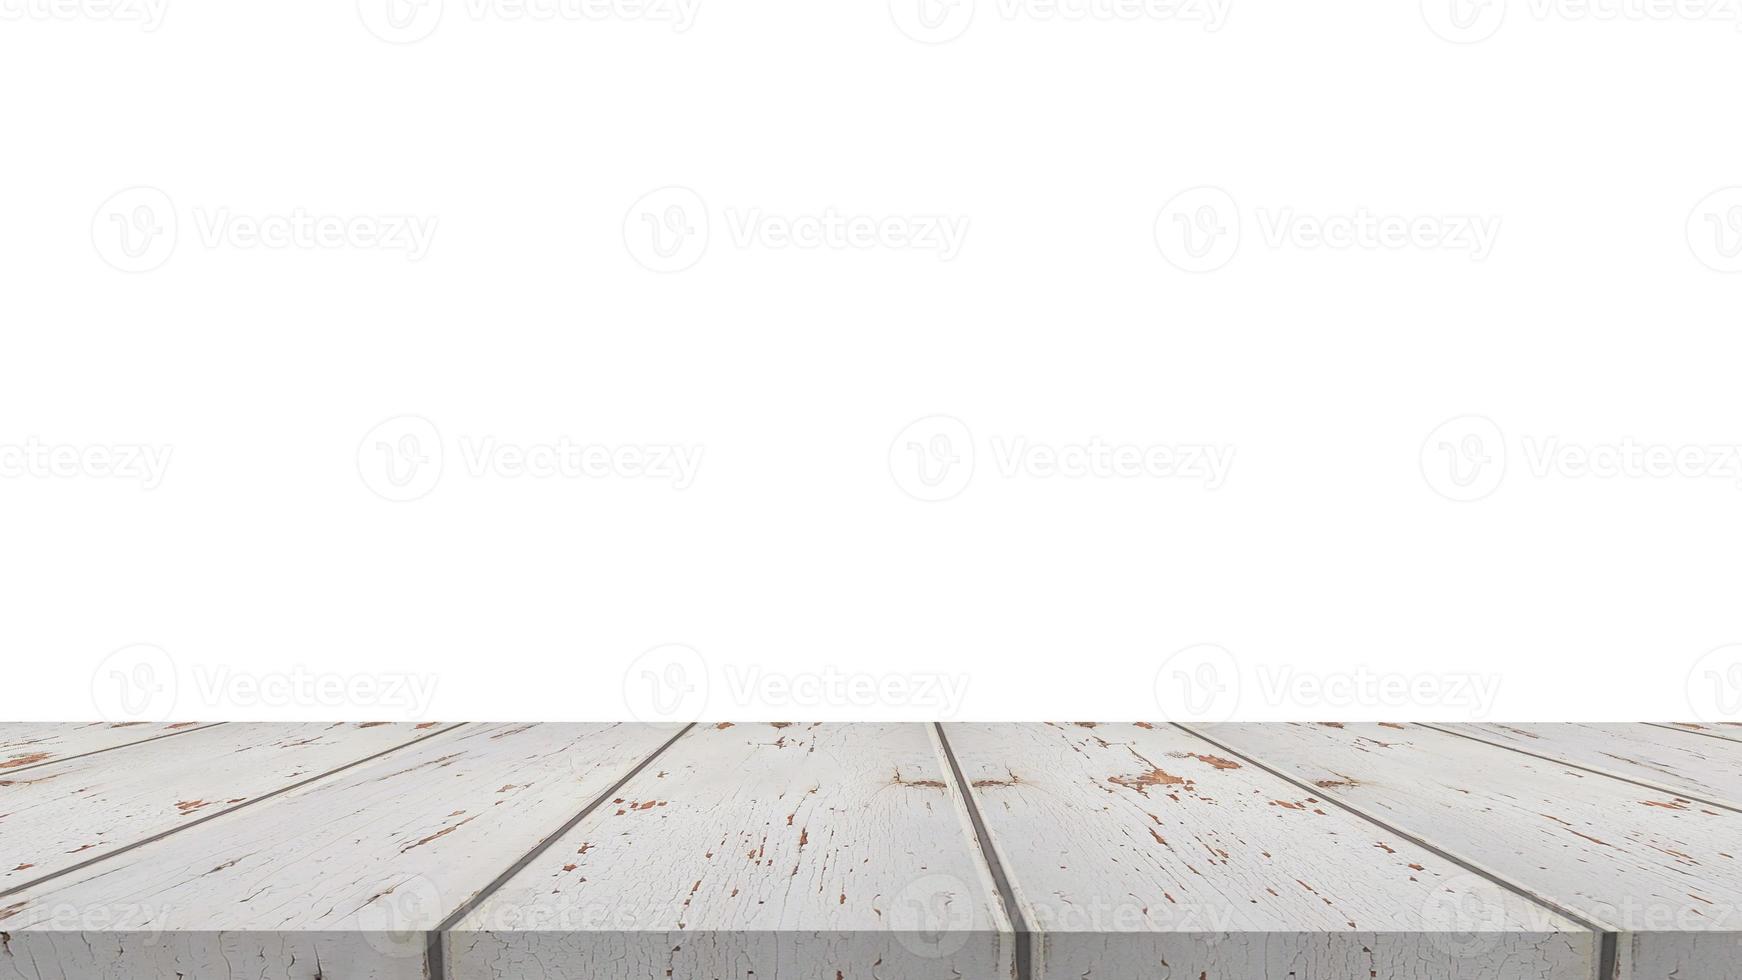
(915, 852)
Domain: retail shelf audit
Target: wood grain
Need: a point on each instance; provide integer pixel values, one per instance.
(773, 852)
(355, 868)
(1667, 759)
(1143, 851)
(55, 817)
(871, 852)
(25, 746)
(1662, 871)
(1731, 730)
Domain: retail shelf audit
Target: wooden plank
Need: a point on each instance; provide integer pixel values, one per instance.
(1674, 761)
(1142, 851)
(26, 746)
(1662, 872)
(55, 817)
(342, 878)
(768, 852)
(1731, 730)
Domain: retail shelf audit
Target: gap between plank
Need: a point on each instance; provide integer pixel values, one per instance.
(213, 816)
(112, 748)
(1025, 937)
(435, 947)
(1657, 787)
(1678, 728)
(1601, 930)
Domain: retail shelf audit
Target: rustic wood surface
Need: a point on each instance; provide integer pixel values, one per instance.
(55, 817)
(1125, 843)
(356, 869)
(869, 851)
(758, 850)
(1663, 758)
(23, 746)
(1660, 871)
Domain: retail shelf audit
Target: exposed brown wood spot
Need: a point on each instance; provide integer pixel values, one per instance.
(1142, 781)
(28, 759)
(1217, 761)
(722, 726)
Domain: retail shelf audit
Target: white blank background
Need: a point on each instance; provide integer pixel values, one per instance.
(795, 551)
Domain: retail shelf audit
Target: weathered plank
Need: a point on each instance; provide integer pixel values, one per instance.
(1142, 851)
(1662, 871)
(1731, 730)
(26, 746)
(769, 852)
(54, 817)
(341, 878)
(1664, 758)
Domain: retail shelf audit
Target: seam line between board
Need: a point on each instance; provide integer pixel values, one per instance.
(114, 748)
(1025, 936)
(1670, 728)
(1597, 928)
(1655, 787)
(262, 798)
(435, 947)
